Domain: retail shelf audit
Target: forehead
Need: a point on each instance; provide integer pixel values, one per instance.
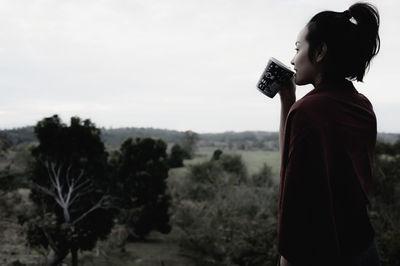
(301, 37)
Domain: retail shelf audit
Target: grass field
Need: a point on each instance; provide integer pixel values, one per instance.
(253, 159)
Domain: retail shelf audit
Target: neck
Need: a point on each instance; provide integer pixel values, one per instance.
(320, 80)
(317, 81)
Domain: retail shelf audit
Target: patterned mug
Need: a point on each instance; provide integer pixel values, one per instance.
(274, 76)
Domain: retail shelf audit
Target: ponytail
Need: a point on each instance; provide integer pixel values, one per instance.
(367, 18)
(351, 37)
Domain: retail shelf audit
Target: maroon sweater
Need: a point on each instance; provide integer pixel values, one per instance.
(326, 172)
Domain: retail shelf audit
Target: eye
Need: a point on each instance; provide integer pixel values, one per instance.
(297, 50)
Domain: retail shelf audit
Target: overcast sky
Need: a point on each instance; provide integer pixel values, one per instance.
(174, 64)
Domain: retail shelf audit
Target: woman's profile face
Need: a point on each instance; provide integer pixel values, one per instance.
(306, 71)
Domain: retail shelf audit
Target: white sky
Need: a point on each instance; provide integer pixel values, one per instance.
(175, 64)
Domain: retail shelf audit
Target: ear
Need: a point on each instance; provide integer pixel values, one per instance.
(320, 53)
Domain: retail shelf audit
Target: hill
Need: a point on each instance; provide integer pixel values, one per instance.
(232, 140)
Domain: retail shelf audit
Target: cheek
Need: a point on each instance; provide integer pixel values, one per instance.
(302, 65)
(302, 58)
(298, 61)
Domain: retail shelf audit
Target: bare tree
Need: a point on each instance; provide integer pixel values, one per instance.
(67, 191)
(73, 209)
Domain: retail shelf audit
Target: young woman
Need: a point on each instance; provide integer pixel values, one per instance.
(327, 144)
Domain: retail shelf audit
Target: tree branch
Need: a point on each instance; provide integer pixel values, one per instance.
(102, 203)
(76, 188)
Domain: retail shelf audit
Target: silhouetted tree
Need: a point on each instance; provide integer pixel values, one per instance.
(141, 170)
(176, 156)
(189, 143)
(70, 181)
(216, 155)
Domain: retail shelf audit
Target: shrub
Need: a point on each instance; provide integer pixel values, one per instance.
(224, 221)
(385, 205)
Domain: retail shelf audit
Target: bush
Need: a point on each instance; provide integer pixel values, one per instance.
(385, 205)
(224, 218)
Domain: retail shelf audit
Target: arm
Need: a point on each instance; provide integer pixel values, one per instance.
(304, 203)
(288, 97)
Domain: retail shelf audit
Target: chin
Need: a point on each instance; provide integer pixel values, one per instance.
(300, 81)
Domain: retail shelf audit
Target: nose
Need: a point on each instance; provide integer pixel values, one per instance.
(292, 62)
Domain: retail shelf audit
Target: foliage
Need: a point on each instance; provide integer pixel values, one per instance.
(141, 173)
(234, 165)
(189, 143)
(4, 146)
(176, 157)
(226, 217)
(12, 137)
(385, 206)
(13, 174)
(246, 140)
(206, 177)
(10, 203)
(17, 263)
(216, 155)
(70, 174)
(114, 137)
(263, 177)
(8, 180)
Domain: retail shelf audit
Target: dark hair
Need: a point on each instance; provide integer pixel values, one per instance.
(351, 37)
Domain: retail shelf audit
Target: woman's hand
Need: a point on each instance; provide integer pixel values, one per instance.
(287, 92)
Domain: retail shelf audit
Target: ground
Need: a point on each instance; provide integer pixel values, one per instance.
(156, 250)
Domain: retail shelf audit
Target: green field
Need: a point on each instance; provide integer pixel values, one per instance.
(253, 159)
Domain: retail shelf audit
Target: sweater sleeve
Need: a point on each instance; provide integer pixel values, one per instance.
(305, 211)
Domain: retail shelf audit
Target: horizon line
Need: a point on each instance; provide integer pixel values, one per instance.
(178, 130)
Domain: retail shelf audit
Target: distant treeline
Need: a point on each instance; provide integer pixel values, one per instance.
(114, 137)
(232, 140)
(12, 137)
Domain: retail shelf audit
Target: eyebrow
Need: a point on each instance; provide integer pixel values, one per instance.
(297, 43)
